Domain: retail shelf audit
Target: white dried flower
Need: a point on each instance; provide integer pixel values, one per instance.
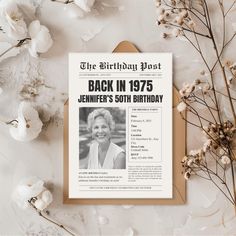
(165, 35)
(161, 19)
(186, 90)
(190, 162)
(28, 124)
(221, 152)
(166, 14)
(206, 88)
(158, 4)
(160, 11)
(27, 189)
(185, 158)
(12, 21)
(179, 20)
(181, 107)
(47, 197)
(190, 88)
(43, 200)
(225, 160)
(184, 13)
(195, 152)
(32, 191)
(85, 5)
(187, 175)
(233, 66)
(207, 145)
(197, 82)
(41, 39)
(191, 24)
(176, 32)
(40, 204)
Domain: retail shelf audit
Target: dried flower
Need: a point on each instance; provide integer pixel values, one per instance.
(43, 200)
(187, 89)
(233, 66)
(187, 175)
(191, 24)
(12, 21)
(184, 13)
(228, 63)
(27, 189)
(206, 88)
(165, 35)
(203, 98)
(161, 19)
(160, 11)
(207, 145)
(197, 81)
(41, 39)
(28, 124)
(185, 158)
(190, 162)
(225, 160)
(179, 20)
(181, 107)
(196, 153)
(31, 190)
(176, 32)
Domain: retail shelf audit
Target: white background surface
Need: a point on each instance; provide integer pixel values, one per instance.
(205, 213)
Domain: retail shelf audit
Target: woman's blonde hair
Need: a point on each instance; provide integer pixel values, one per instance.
(102, 113)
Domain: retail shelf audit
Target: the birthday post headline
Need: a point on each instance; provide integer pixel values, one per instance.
(96, 87)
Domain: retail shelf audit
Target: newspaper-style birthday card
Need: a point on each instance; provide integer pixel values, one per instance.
(120, 125)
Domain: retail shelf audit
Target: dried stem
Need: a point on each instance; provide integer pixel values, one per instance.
(50, 220)
(219, 132)
(19, 44)
(63, 2)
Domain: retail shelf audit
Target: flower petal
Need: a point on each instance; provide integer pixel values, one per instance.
(26, 190)
(40, 204)
(41, 39)
(34, 28)
(47, 197)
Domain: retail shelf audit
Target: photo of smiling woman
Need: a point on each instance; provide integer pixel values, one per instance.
(106, 149)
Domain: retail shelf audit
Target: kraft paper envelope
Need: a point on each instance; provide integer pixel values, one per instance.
(179, 150)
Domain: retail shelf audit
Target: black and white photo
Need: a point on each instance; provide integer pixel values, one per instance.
(102, 138)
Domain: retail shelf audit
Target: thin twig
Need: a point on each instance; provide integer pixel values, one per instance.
(234, 2)
(50, 220)
(63, 2)
(19, 44)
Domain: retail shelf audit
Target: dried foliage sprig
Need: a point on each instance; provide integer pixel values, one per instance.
(32, 192)
(45, 216)
(21, 42)
(193, 21)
